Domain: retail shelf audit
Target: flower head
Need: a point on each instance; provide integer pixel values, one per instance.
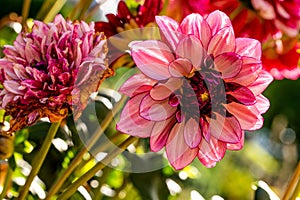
(50, 70)
(200, 88)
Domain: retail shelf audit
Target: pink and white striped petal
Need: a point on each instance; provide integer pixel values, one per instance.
(229, 64)
(131, 122)
(192, 133)
(155, 110)
(152, 57)
(169, 29)
(178, 152)
(137, 84)
(211, 152)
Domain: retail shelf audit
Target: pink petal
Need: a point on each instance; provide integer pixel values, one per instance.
(169, 30)
(156, 110)
(226, 129)
(152, 58)
(249, 72)
(248, 47)
(192, 133)
(160, 134)
(162, 91)
(263, 80)
(191, 48)
(237, 146)
(223, 41)
(194, 24)
(178, 152)
(137, 84)
(243, 95)
(262, 104)
(229, 64)
(248, 116)
(13, 87)
(205, 128)
(212, 152)
(131, 122)
(217, 20)
(180, 67)
(7, 98)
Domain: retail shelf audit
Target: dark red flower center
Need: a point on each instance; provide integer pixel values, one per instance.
(201, 94)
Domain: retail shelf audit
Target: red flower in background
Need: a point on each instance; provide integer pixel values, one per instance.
(124, 19)
(200, 89)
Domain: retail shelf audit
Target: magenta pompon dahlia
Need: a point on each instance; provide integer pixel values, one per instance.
(200, 88)
(51, 70)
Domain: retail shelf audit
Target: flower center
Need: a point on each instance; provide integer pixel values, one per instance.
(200, 94)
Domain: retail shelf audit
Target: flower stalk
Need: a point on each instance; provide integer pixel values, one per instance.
(99, 132)
(293, 186)
(39, 159)
(99, 166)
(6, 183)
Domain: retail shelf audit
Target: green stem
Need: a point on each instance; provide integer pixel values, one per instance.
(99, 166)
(297, 190)
(105, 123)
(46, 6)
(54, 10)
(25, 12)
(39, 159)
(293, 182)
(6, 183)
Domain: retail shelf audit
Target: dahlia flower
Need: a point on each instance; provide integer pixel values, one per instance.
(50, 70)
(199, 89)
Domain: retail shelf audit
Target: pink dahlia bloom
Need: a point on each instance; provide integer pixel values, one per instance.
(50, 70)
(200, 88)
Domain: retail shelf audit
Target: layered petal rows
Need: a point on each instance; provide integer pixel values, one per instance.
(51, 70)
(199, 89)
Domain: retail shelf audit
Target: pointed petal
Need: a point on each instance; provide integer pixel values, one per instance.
(223, 41)
(13, 87)
(137, 84)
(152, 58)
(263, 80)
(237, 146)
(194, 24)
(243, 95)
(248, 47)
(162, 91)
(226, 129)
(160, 133)
(180, 67)
(262, 104)
(156, 110)
(169, 30)
(211, 153)
(178, 152)
(229, 64)
(205, 129)
(191, 48)
(217, 20)
(249, 72)
(192, 133)
(131, 122)
(248, 116)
